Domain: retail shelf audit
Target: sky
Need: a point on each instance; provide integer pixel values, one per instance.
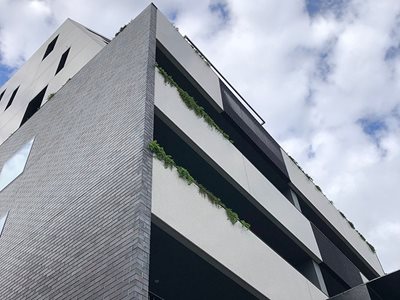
(324, 74)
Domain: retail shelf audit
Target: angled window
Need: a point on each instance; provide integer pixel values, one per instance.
(63, 59)
(3, 218)
(33, 106)
(12, 98)
(15, 165)
(2, 94)
(50, 47)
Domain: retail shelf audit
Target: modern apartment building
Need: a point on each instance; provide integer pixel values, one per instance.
(145, 175)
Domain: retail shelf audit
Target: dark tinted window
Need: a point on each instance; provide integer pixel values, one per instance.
(2, 94)
(33, 106)
(63, 59)
(50, 47)
(12, 98)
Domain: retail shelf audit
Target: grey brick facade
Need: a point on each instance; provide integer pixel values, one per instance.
(95, 215)
(79, 215)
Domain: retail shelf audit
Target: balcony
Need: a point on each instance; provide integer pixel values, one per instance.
(185, 215)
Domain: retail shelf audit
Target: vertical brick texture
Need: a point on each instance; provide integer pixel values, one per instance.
(79, 215)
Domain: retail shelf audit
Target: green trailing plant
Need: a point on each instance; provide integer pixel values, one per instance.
(169, 163)
(308, 176)
(331, 202)
(120, 30)
(365, 240)
(245, 224)
(210, 196)
(184, 174)
(176, 28)
(351, 224)
(161, 155)
(191, 103)
(232, 216)
(371, 247)
(50, 96)
(361, 236)
(359, 233)
(301, 169)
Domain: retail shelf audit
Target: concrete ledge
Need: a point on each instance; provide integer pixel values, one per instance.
(181, 207)
(231, 164)
(189, 60)
(322, 204)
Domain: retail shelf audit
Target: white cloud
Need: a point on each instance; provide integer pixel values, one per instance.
(19, 39)
(312, 79)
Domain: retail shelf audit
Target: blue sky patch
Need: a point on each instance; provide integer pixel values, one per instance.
(172, 16)
(310, 152)
(323, 66)
(316, 7)
(392, 52)
(372, 127)
(221, 9)
(5, 73)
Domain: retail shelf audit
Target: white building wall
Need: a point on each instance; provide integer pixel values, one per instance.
(322, 204)
(35, 74)
(208, 81)
(236, 168)
(189, 60)
(181, 207)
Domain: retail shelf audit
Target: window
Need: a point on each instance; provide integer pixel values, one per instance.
(2, 94)
(15, 165)
(50, 47)
(33, 106)
(63, 59)
(3, 218)
(12, 98)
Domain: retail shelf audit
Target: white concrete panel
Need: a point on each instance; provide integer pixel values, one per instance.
(277, 205)
(36, 73)
(322, 204)
(168, 36)
(238, 169)
(182, 208)
(169, 101)
(364, 279)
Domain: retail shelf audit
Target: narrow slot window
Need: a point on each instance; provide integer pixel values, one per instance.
(3, 219)
(50, 47)
(33, 106)
(15, 165)
(63, 59)
(2, 94)
(12, 98)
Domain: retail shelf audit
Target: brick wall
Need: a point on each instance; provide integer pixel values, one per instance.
(79, 215)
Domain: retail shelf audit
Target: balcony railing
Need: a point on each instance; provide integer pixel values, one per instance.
(221, 77)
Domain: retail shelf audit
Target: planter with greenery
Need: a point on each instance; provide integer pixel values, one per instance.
(191, 103)
(331, 202)
(169, 163)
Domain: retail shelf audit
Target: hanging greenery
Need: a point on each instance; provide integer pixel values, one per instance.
(191, 103)
(169, 163)
(120, 30)
(331, 202)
